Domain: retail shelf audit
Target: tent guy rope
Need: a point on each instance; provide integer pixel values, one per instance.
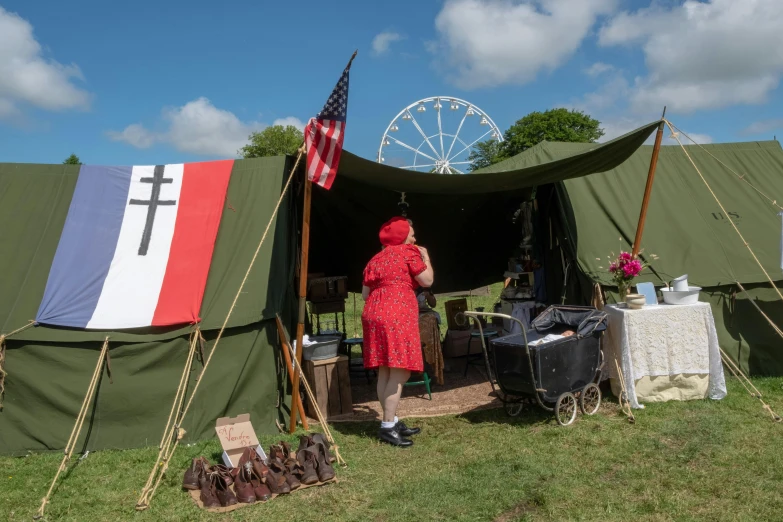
(174, 415)
(741, 177)
(725, 212)
(77, 427)
(3, 373)
(146, 497)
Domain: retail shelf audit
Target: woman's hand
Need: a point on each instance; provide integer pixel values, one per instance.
(425, 255)
(427, 277)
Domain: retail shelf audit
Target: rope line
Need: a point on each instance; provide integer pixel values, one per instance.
(179, 397)
(744, 241)
(747, 384)
(77, 426)
(740, 176)
(147, 496)
(318, 412)
(3, 373)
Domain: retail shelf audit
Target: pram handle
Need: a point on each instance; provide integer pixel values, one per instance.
(475, 316)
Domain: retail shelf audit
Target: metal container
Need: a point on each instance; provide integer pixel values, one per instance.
(325, 347)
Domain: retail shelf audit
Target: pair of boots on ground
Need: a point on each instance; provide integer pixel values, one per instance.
(254, 480)
(397, 434)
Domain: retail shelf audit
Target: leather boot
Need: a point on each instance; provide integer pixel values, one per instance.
(393, 437)
(191, 478)
(243, 485)
(224, 472)
(307, 460)
(224, 493)
(280, 478)
(276, 452)
(305, 441)
(260, 489)
(317, 438)
(209, 495)
(324, 469)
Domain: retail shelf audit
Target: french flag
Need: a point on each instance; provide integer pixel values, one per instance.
(136, 247)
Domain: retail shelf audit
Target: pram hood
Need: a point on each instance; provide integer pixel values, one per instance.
(585, 319)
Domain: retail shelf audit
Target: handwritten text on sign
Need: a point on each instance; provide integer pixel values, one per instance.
(234, 436)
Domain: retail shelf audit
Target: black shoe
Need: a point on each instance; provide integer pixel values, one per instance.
(393, 437)
(405, 431)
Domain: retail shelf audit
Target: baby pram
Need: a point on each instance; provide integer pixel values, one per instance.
(556, 372)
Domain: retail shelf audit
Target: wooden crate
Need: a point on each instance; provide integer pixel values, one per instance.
(331, 385)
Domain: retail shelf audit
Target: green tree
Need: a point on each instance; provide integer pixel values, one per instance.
(273, 141)
(553, 125)
(484, 154)
(73, 159)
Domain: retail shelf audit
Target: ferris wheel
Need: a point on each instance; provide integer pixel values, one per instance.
(436, 134)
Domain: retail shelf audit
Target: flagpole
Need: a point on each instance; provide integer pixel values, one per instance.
(303, 269)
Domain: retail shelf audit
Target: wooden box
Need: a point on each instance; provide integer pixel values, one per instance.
(331, 384)
(327, 289)
(454, 308)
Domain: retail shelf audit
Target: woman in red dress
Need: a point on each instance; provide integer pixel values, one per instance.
(390, 320)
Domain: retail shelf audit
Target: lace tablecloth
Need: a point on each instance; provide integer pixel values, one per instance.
(663, 340)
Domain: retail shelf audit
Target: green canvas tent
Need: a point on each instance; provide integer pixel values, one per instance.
(48, 369)
(685, 228)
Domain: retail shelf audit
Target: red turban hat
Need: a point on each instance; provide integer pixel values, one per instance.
(394, 232)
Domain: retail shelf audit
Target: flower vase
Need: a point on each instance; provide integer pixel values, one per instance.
(623, 291)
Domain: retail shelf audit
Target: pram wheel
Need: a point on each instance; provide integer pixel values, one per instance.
(513, 408)
(590, 399)
(565, 409)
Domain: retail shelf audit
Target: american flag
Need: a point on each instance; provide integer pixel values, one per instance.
(324, 134)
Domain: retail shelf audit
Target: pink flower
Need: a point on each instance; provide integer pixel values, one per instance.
(632, 268)
(613, 268)
(625, 256)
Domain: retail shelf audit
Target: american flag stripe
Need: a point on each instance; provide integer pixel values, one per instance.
(325, 133)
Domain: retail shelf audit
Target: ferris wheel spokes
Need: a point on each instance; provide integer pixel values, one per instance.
(474, 142)
(416, 124)
(442, 160)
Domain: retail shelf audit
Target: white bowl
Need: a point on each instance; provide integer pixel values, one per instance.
(674, 297)
(635, 301)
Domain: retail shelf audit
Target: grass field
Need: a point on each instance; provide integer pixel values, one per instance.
(699, 460)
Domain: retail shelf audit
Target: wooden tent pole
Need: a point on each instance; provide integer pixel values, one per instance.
(637, 242)
(290, 367)
(300, 326)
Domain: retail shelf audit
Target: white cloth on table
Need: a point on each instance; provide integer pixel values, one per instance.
(664, 340)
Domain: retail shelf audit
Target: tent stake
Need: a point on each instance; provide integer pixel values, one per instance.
(648, 188)
(300, 325)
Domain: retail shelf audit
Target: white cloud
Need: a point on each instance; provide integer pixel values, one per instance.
(197, 127)
(703, 55)
(598, 69)
(134, 134)
(382, 41)
(290, 120)
(495, 42)
(26, 77)
(762, 127)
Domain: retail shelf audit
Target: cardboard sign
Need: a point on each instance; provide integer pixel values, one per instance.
(236, 434)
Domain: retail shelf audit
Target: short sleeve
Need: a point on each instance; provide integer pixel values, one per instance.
(414, 261)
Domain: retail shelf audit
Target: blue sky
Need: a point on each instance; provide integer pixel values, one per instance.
(171, 81)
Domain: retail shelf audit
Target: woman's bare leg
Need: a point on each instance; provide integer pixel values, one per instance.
(391, 396)
(380, 387)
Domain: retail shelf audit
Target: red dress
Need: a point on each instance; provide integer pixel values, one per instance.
(391, 314)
